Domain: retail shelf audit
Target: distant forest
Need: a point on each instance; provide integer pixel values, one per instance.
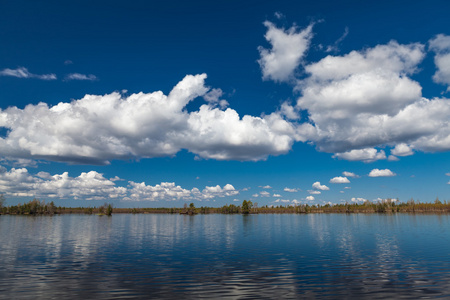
(38, 207)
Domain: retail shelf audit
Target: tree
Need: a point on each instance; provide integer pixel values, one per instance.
(246, 206)
(2, 201)
(437, 201)
(109, 210)
(191, 209)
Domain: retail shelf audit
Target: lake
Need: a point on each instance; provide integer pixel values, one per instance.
(164, 256)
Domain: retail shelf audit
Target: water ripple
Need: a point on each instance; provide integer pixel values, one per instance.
(225, 256)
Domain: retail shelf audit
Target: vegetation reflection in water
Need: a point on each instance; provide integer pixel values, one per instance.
(227, 256)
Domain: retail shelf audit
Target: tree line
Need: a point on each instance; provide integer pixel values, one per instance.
(38, 207)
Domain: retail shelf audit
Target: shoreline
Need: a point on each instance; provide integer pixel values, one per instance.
(37, 207)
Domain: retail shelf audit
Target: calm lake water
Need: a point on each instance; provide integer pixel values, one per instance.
(225, 256)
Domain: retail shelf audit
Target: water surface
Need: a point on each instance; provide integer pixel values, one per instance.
(225, 256)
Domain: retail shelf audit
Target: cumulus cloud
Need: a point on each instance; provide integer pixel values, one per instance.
(357, 104)
(393, 158)
(289, 111)
(402, 150)
(314, 192)
(78, 76)
(164, 191)
(310, 198)
(349, 174)
(264, 194)
(22, 72)
(358, 200)
(339, 179)
(288, 48)
(168, 191)
(289, 190)
(381, 173)
(18, 182)
(366, 99)
(276, 195)
(213, 97)
(366, 155)
(87, 186)
(97, 129)
(282, 200)
(266, 187)
(210, 192)
(441, 46)
(317, 186)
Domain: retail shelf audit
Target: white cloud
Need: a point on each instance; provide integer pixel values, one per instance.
(393, 158)
(165, 191)
(381, 173)
(358, 200)
(288, 48)
(366, 155)
(264, 194)
(87, 186)
(289, 111)
(213, 97)
(168, 191)
(279, 15)
(96, 129)
(357, 100)
(441, 45)
(310, 198)
(402, 150)
(335, 46)
(357, 104)
(289, 190)
(314, 192)
(217, 191)
(317, 186)
(339, 179)
(350, 174)
(22, 72)
(266, 187)
(18, 182)
(366, 100)
(78, 76)
(385, 200)
(276, 195)
(282, 200)
(255, 195)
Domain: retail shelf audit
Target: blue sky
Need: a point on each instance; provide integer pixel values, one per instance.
(151, 103)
